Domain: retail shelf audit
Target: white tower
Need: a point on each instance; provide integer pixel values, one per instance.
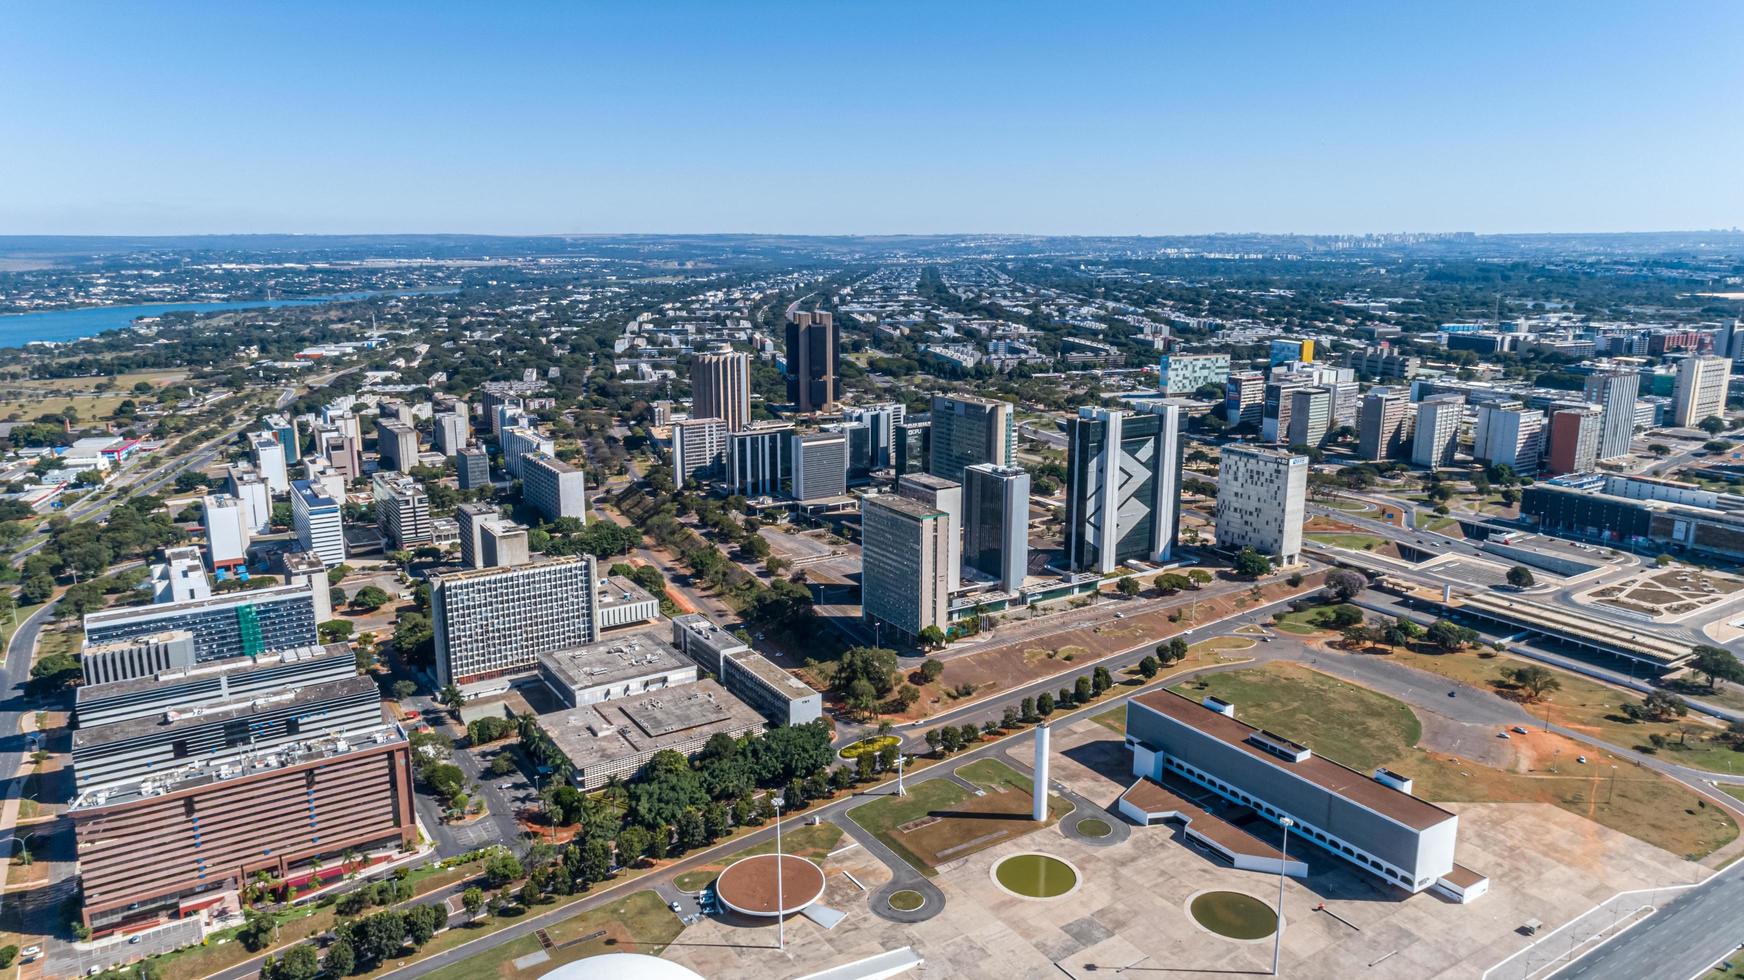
(1040, 786)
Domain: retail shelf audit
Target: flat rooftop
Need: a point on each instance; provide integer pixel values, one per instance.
(614, 661)
(904, 505)
(206, 714)
(595, 734)
(128, 614)
(1316, 769)
(210, 668)
(1152, 797)
(620, 590)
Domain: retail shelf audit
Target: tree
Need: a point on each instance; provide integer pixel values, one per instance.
(1520, 577)
(341, 959)
(300, 962)
(1718, 664)
(1128, 586)
(1101, 680)
(931, 637)
(1658, 706)
(1082, 690)
(451, 696)
(404, 689)
(334, 630)
(501, 869)
(1044, 704)
(1251, 564)
(632, 844)
(1659, 449)
(1713, 425)
(53, 673)
(930, 671)
(369, 598)
(1342, 615)
(1198, 577)
(1533, 680)
(1148, 667)
(1449, 635)
(1343, 585)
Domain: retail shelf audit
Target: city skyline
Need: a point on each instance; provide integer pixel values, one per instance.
(971, 119)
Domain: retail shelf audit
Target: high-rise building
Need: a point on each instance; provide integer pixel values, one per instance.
(760, 460)
(492, 622)
(912, 451)
(232, 624)
(402, 512)
(1615, 389)
(721, 388)
(1701, 390)
(396, 445)
(996, 522)
(472, 465)
(471, 519)
(450, 432)
(1310, 416)
(180, 577)
(699, 449)
(813, 361)
(943, 495)
(1509, 435)
(227, 533)
(269, 460)
(285, 429)
(1183, 374)
(189, 782)
(246, 485)
(342, 449)
(553, 488)
(1383, 432)
(820, 465)
(1437, 433)
(1575, 431)
(520, 441)
(1286, 350)
(970, 430)
(1275, 423)
(1261, 501)
(1123, 487)
(1244, 398)
(319, 521)
(880, 421)
(905, 554)
(503, 542)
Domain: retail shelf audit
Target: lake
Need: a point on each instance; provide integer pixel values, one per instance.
(60, 326)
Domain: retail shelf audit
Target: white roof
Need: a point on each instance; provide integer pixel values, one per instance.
(622, 966)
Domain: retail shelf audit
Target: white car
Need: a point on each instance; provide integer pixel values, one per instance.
(676, 908)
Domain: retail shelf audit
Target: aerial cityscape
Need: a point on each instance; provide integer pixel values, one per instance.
(673, 542)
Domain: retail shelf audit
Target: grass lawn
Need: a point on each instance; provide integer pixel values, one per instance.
(939, 821)
(1363, 729)
(1222, 643)
(1114, 719)
(1353, 542)
(637, 923)
(1593, 708)
(1736, 792)
(797, 839)
(1306, 621)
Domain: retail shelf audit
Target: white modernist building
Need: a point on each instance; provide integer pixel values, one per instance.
(319, 522)
(1261, 501)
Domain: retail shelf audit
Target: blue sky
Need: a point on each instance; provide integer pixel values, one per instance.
(886, 117)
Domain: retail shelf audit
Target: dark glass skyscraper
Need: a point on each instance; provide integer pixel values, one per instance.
(813, 360)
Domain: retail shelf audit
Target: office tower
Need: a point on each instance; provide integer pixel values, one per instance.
(699, 450)
(996, 522)
(1123, 487)
(502, 542)
(553, 488)
(1574, 438)
(341, 450)
(820, 466)
(1726, 340)
(227, 533)
(1437, 434)
(1285, 351)
(450, 432)
(760, 460)
(520, 441)
(397, 411)
(1184, 374)
(859, 438)
(188, 783)
(1346, 403)
(317, 471)
(813, 361)
(396, 445)
(1385, 363)
(1244, 398)
(305, 568)
(969, 430)
(269, 461)
(941, 495)
(492, 622)
(496, 398)
(1383, 432)
(319, 522)
(1615, 390)
(912, 451)
(905, 557)
(180, 577)
(1261, 498)
(880, 421)
(720, 387)
(471, 519)
(402, 512)
(472, 464)
(245, 484)
(1310, 416)
(141, 656)
(1509, 435)
(1701, 390)
(286, 430)
(233, 624)
(1275, 424)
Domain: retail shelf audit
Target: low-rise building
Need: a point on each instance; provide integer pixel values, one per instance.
(781, 697)
(618, 737)
(615, 668)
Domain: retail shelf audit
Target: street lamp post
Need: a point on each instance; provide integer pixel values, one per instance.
(1283, 861)
(780, 900)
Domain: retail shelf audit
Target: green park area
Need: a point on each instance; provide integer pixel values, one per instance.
(1352, 542)
(638, 923)
(940, 821)
(1363, 729)
(1314, 619)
